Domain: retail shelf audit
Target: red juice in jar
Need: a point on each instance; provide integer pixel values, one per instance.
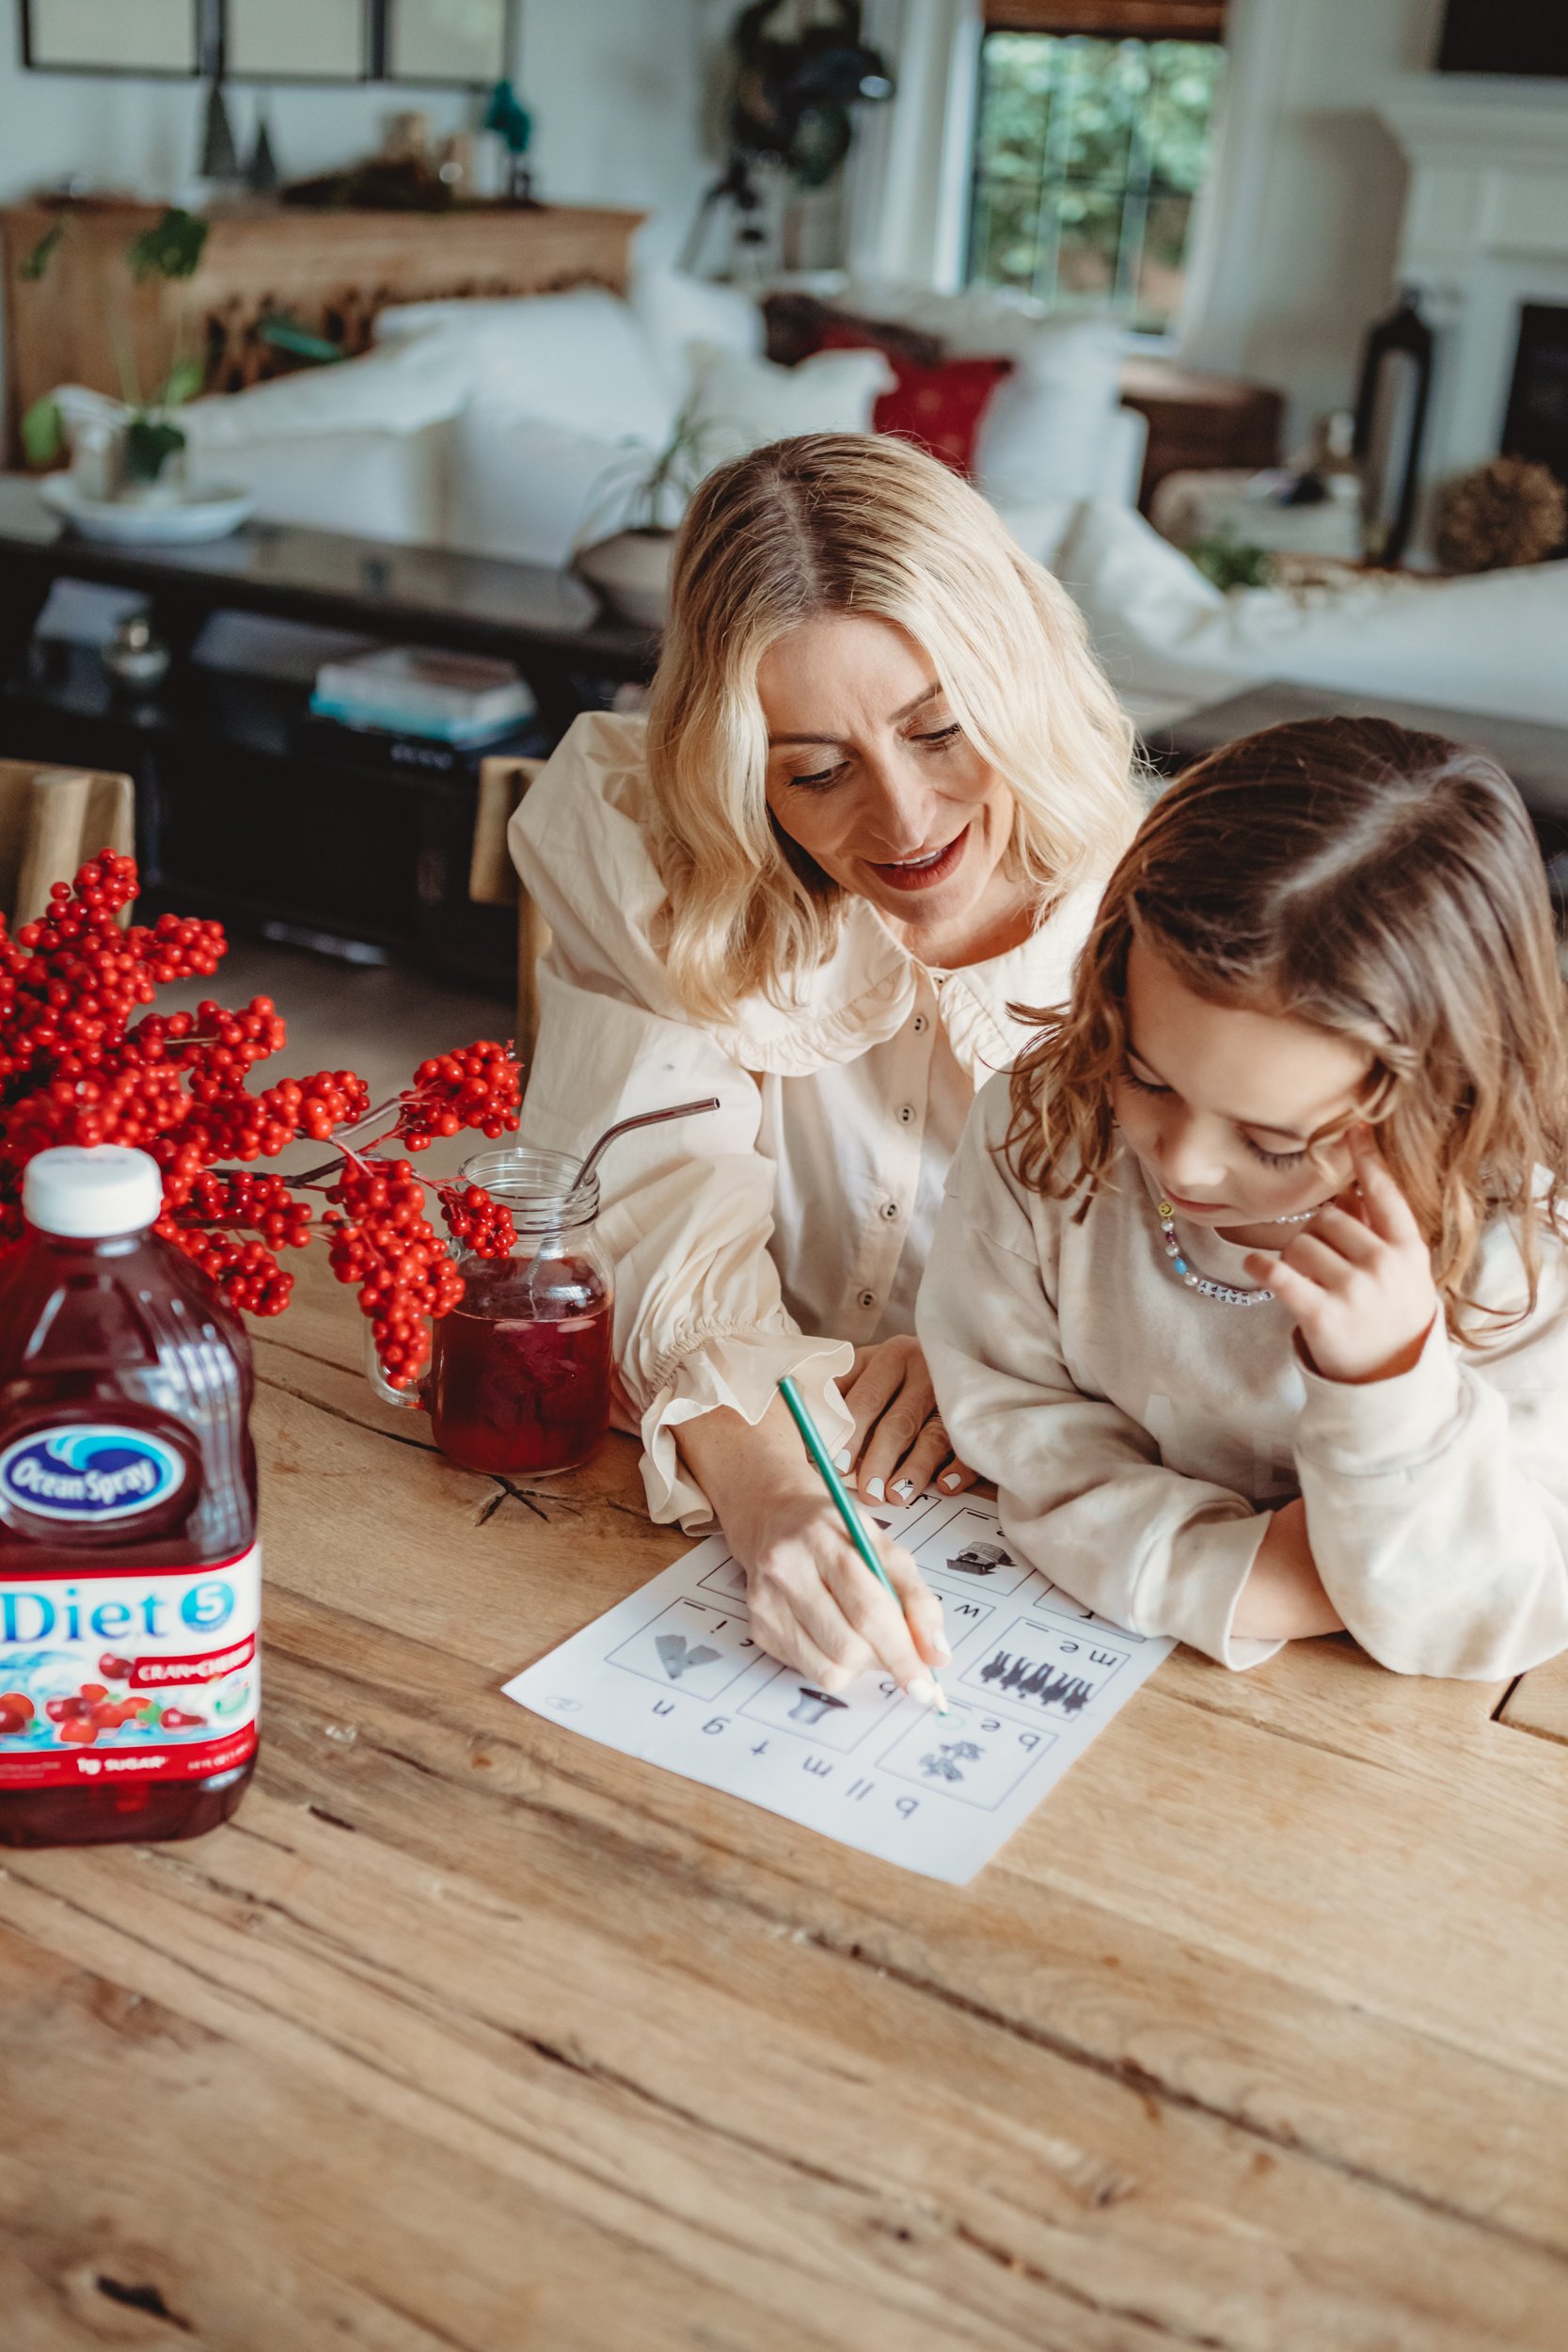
(519, 1375)
(129, 1567)
(512, 1388)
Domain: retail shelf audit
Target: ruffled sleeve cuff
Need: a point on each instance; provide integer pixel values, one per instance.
(740, 1369)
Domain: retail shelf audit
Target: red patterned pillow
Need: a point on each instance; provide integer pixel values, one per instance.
(938, 409)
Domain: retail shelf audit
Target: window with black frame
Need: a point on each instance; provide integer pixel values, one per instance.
(1090, 153)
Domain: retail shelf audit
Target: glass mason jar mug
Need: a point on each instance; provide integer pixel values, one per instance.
(519, 1370)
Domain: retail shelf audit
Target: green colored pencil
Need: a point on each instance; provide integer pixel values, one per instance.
(854, 1526)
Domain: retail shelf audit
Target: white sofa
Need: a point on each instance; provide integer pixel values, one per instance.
(507, 427)
(503, 427)
(1171, 640)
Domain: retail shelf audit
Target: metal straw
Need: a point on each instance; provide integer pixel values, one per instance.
(625, 1126)
(621, 1127)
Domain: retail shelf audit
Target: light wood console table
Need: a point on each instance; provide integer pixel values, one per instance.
(328, 272)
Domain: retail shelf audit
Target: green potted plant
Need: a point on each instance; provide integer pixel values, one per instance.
(645, 495)
(133, 448)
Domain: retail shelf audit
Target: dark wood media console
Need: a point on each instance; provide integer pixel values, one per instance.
(245, 810)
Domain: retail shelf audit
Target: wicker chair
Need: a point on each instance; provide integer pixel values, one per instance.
(52, 819)
(494, 882)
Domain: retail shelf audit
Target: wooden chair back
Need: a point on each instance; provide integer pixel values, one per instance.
(495, 881)
(52, 820)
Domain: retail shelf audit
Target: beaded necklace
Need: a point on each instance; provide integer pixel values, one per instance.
(1226, 1293)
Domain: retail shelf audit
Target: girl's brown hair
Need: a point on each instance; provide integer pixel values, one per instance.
(1384, 886)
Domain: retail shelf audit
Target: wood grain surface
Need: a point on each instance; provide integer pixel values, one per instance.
(468, 2033)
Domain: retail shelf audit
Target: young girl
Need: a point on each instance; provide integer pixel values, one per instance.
(1250, 1289)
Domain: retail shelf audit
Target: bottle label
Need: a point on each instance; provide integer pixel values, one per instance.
(92, 1473)
(148, 1674)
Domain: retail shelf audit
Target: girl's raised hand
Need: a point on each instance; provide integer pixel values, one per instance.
(1359, 1280)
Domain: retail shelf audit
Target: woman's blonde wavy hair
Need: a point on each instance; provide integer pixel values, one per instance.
(865, 524)
(1386, 886)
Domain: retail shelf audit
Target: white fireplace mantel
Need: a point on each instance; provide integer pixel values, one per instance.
(1457, 121)
(1485, 230)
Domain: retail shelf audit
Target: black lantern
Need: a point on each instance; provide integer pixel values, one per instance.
(1391, 421)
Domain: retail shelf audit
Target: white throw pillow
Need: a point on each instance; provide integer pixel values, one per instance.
(739, 404)
(580, 360)
(1048, 430)
(386, 391)
(676, 311)
(372, 483)
(531, 490)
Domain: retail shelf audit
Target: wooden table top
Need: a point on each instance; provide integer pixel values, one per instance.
(468, 2033)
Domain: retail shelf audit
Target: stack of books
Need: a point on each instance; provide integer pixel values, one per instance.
(458, 699)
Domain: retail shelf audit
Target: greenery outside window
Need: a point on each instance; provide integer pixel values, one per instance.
(1088, 155)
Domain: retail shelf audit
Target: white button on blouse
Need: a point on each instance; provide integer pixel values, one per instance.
(794, 1223)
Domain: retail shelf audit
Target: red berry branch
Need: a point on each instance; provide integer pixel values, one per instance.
(77, 1066)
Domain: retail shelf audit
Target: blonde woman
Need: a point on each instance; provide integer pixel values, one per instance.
(879, 784)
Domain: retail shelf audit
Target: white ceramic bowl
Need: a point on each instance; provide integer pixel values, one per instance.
(197, 512)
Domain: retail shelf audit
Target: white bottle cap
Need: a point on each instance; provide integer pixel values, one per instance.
(89, 1194)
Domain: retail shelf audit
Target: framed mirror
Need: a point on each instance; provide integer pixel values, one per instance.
(296, 41)
(466, 44)
(142, 36)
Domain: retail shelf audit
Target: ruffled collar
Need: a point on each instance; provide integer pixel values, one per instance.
(866, 991)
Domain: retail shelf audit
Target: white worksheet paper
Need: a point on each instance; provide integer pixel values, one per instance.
(671, 1675)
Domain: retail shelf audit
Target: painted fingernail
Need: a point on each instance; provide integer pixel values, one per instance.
(952, 1481)
(844, 1459)
(876, 1489)
(904, 1486)
(923, 1691)
(941, 1643)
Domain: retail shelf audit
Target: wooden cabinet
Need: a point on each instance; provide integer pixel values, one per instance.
(1199, 421)
(330, 273)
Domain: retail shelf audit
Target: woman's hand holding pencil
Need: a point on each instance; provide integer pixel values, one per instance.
(815, 1605)
(893, 1583)
(814, 1601)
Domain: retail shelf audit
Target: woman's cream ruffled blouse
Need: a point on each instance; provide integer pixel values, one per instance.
(790, 1226)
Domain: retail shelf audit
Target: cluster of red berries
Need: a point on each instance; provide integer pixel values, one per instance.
(245, 1272)
(477, 1223)
(239, 1126)
(382, 1239)
(137, 1105)
(77, 1066)
(232, 1195)
(480, 1088)
(219, 1047)
(70, 982)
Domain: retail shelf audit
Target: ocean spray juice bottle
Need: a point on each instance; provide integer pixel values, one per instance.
(129, 1568)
